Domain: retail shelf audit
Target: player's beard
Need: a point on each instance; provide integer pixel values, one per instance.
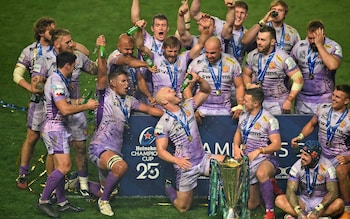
(313, 47)
(171, 59)
(264, 50)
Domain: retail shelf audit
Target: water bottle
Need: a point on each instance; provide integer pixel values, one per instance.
(86, 99)
(147, 59)
(132, 30)
(186, 82)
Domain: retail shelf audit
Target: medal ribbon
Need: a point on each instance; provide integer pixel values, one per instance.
(172, 76)
(133, 75)
(38, 51)
(246, 130)
(261, 73)
(156, 48)
(281, 43)
(217, 80)
(64, 79)
(184, 124)
(124, 108)
(311, 62)
(331, 130)
(310, 188)
(237, 48)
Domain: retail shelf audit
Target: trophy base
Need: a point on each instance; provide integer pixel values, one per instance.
(231, 214)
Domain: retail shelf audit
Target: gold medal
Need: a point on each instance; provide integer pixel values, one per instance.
(311, 76)
(189, 138)
(218, 92)
(259, 83)
(127, 126)
(328, 144)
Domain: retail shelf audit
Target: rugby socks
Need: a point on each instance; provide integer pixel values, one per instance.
(60, 192)
(171, 192)
(24, 170)
(266, 189)
(83, 182)
(110, 184)
(347, 206)
(94, 188)
(52, 181)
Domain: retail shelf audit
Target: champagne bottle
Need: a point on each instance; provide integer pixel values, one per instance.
(147, 59)
(186, 82)
(132, 30)
(86, 99)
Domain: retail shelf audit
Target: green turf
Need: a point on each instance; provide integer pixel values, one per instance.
(86, 20)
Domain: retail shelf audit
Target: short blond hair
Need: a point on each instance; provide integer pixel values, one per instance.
(279, 2)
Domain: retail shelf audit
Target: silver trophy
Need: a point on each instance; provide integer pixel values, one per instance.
(232, 185)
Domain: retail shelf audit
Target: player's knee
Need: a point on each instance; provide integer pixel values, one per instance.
(32, 137)
(117, 165)
(64, 167)
(342, 172)
(262, 176)
(280, 201)
(182, 208)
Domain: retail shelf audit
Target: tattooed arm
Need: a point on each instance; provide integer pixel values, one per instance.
(332, 187)
(292, 187)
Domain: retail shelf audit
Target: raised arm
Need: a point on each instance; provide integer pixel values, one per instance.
(80, 47)
(102, 77)
(230, 20)
(195, 10)
(139, 41)
(251, 34)
(208, 29)
(204, 90)
(331, 61)
(135, 11)
(182, 31)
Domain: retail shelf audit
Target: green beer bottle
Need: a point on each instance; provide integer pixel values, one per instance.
(147, 59)
(132, 30)
(186, 82)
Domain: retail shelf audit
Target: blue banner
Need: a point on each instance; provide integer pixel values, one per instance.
(147, 173)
